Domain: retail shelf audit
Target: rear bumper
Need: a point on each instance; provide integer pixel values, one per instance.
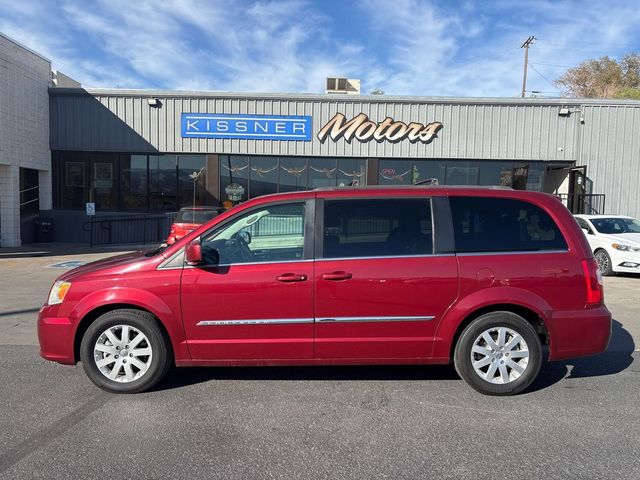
(579, 333)
(55, 335)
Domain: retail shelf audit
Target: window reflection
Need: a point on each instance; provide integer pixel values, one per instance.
(462, 173)
(396, 172)
(133, 178)
(323, 172)
(263, 176)
(293, 174)
(496, 173)
(351, 171)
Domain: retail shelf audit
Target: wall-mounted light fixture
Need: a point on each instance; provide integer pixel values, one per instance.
(564, 112)
(154, 102)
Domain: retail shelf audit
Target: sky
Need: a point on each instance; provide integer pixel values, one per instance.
(404, 47)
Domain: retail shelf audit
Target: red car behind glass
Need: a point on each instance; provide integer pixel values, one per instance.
(481, 277)
(187, 220)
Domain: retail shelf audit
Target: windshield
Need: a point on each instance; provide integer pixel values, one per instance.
(612, 226)
(195, 216)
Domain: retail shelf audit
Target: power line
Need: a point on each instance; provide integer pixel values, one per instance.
(536, 70)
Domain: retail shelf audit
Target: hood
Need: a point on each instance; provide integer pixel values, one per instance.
(112, 265)
(631, 239)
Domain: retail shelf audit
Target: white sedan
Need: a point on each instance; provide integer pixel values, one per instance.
(615, 241)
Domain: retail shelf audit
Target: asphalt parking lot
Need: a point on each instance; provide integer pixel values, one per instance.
(581, 419)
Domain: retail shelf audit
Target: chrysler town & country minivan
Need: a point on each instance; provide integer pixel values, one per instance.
(481, 277)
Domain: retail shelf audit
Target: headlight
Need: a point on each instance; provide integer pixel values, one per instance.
(625, 248)
(58, 292)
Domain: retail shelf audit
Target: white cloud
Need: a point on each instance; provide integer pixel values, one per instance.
(405, 47)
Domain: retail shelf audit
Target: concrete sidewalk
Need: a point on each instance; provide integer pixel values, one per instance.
(55, 249)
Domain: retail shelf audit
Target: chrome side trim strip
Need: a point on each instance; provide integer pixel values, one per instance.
(423, 318)
(260, 321)
(276, 321)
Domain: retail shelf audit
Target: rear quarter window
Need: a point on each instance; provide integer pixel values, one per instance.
(485, 224)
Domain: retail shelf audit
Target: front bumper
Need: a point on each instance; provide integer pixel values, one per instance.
(579, 333)
(56, 336)
(625, 262)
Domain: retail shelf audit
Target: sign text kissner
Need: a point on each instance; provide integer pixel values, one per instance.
(363, 129)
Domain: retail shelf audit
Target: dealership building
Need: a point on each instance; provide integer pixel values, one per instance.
(137, 152)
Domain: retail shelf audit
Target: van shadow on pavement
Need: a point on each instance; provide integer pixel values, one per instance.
(615, 359)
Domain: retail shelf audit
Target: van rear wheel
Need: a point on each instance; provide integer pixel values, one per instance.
(124, 351)
(499, 353)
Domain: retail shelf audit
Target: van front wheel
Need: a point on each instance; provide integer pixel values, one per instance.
(499, 353)
(124, 351)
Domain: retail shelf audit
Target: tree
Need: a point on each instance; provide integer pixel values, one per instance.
(376, 91)
(603, 78)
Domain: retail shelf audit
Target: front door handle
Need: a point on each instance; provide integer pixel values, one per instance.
(336, 276)
(291, 277)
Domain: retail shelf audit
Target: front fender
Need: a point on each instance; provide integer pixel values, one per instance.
(451, 320)
(143, 299)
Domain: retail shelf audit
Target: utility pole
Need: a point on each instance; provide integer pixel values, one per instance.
(525, 45)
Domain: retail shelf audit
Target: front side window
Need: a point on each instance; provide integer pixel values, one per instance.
(583, 224)
(274, 233)
(483, 224)
(377, 228)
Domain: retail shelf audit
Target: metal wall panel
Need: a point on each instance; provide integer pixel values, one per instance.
(610, 148)
(124, 123)
(528, 129)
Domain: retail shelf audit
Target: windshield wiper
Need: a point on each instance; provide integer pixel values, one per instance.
(155, 251)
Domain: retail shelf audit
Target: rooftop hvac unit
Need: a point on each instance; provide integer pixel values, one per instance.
(343, 85)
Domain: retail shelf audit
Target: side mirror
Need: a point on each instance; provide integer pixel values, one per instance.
(193, 252)
(586, 231)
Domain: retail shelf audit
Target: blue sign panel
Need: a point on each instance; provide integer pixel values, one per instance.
(256, 127)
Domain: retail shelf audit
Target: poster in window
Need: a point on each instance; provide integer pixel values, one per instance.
(102, 175)
(75, 174)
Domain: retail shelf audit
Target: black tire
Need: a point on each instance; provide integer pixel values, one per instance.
(463, 353)
(146, 323)
(604, 262)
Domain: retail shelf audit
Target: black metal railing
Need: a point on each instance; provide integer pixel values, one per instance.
(145, 228)
(584, 203)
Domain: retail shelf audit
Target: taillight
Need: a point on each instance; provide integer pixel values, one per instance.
(593, 280)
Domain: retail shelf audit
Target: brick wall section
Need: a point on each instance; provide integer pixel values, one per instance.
(24, 130)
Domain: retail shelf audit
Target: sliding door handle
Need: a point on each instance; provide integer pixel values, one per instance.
(336, 276)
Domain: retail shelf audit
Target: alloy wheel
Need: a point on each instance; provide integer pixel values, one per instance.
(123, 353)
(499, 355)
(603, 261)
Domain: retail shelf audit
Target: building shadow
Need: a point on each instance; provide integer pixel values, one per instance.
(615, 359)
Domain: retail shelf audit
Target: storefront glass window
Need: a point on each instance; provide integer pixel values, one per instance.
(293, 174)
(496, 173)
(163, 184)
(323, 172)
(133, 182)
(263, 176)
(352, 171)
(104, 170)
(396, 172)
(188, 166)
(74, 187)
(462, 173)
(428, 170)
(234, 169)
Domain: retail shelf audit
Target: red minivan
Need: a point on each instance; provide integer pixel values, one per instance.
(481, 277)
